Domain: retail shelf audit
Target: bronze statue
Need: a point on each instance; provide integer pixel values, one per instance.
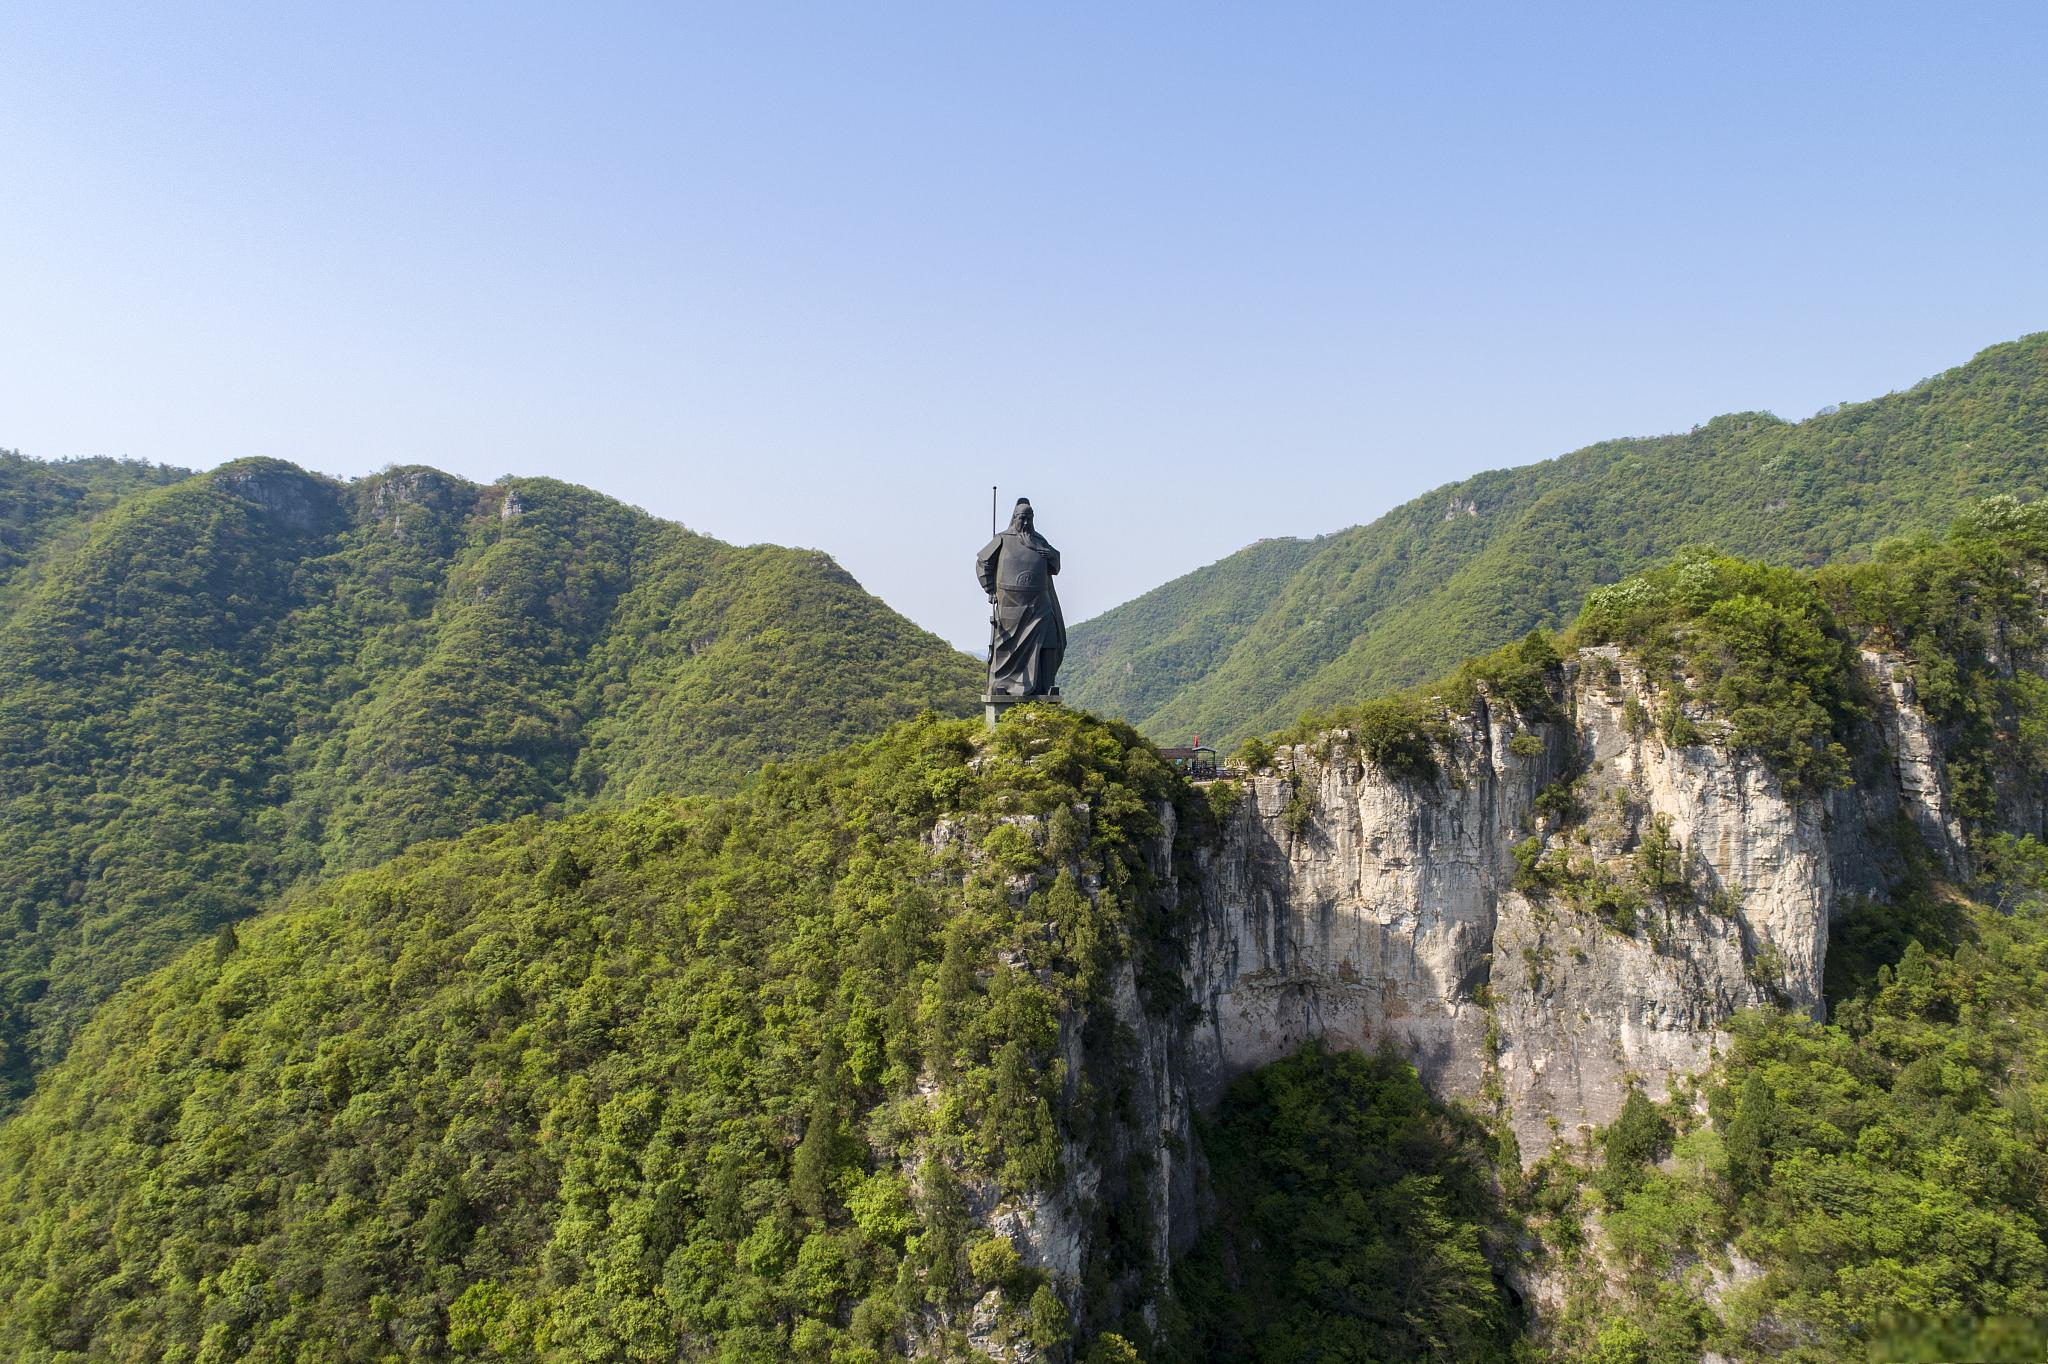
(1027, 633)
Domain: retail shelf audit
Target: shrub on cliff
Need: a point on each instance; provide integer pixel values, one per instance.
(1758, 645)
(1402, 734)
(1771, 651)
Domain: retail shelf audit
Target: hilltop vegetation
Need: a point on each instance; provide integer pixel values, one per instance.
(638, 1085)
(222, 686)
(1766, 658)
(1771, 653)
(1302, 626)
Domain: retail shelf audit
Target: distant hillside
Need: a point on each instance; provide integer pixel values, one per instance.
(1132, 660)
(213, 689)
(1284, 627)
(42, 502)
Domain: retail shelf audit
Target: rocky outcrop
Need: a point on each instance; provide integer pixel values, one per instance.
(1568, 908)
(283, 492)
(1363, 909)
(1914, 754)
(410, 500)
(1354, 908)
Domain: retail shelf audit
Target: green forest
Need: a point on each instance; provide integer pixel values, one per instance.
(1356, 1220)
(213, 687)
(627, 1086)
(458, 922)
(755, 1076)
(1284, 627)
(45, 506)
(1880, 1178)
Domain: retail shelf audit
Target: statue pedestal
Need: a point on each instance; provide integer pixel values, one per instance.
(993, 706)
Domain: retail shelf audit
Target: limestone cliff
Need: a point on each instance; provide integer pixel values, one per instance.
(1669, 885)
(1567, 908)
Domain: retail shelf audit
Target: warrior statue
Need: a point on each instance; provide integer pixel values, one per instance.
(1027, 634)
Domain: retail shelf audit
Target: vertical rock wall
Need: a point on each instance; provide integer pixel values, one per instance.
(1361, 909)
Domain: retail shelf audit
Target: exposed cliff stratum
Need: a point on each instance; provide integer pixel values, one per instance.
(1571, 905)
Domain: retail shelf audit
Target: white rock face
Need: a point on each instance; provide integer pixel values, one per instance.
(1916, 761)
(1384, 911)
(1361, 909)
(1369, 919)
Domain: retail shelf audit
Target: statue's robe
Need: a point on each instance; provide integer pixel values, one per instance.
(1027, 633)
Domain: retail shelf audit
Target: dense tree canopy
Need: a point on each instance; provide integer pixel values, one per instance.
(1356, 1222)
(213, 687)
(47, 503)
(638, 1085)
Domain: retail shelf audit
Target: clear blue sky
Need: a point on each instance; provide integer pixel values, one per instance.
(1186, 274)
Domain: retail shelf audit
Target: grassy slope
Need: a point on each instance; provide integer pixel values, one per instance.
(254, 675)
(1477, 563)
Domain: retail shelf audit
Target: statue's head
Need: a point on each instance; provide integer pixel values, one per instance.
(1020, 519)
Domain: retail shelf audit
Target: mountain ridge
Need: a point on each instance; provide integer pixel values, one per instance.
(1475, 563)
(45, 500)
(234, 680)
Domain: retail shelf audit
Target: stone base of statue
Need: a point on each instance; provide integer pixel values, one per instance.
(993, 704)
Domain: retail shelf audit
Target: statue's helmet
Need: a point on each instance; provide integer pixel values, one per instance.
(1020, 515)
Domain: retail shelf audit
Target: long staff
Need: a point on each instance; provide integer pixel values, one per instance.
(992, 600)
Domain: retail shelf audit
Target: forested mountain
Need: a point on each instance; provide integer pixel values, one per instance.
(1128, 661)
(43, 502)
(215, 686)
(904, 1050)
(633, 1085)
(1283, 627)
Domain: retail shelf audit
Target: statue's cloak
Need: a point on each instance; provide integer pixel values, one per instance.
(1027, 633)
